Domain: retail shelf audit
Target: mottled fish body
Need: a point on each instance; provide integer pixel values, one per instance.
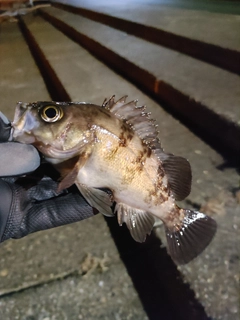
(115, 146)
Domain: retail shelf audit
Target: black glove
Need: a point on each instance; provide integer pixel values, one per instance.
(29, 204)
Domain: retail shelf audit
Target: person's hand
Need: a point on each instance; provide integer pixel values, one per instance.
(29, 204)
(15, 158)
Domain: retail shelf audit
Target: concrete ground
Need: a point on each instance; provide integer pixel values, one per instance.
(198, 93)
(173, 16)
(198, 80)
(20, 78)
(78, 271)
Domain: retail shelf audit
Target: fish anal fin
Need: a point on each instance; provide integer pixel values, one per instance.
(178, 171)
(188, 239)
(97, 198)
(139, 222)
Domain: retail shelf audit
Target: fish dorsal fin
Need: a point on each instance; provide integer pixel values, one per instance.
(179, 174)
(136, 117)
(139, 222)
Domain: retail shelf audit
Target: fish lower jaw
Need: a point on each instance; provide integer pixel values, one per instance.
(25, 137)
(53, 160)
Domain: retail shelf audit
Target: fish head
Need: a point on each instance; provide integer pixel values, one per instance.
(57, 125)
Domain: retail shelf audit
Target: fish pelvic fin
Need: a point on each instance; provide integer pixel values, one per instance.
(97, 198)
(139, 222)
(188, 237)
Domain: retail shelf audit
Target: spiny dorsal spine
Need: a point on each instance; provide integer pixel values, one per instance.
(136, 117)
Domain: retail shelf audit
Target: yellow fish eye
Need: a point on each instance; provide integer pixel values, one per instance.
(51, 113)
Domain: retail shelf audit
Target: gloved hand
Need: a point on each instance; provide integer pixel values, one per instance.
(28, 205)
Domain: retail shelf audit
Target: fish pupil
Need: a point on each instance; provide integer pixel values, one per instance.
(51, 113)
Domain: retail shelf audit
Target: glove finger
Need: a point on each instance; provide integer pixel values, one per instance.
(45, 214)
(5, 128)
(45, 189)
(17, 159)
(5, 204)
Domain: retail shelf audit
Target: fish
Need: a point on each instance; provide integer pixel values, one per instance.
(116, 147)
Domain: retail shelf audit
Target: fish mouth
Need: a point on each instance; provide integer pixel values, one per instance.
(22, 124)
(22, 136)
(19, 133)
(10, 139)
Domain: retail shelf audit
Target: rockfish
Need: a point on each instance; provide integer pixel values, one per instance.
(116, 147)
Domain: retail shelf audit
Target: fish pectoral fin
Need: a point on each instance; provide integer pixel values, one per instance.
(70, 177)
(68, 180)
(98, 199)
(188, 240)
(178, 171)
(139, 222)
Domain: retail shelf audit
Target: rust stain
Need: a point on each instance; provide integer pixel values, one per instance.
(156, 83)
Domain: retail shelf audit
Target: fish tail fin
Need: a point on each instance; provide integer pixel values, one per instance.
(189, 234)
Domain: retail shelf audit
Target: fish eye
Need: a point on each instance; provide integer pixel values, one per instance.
(51, 113)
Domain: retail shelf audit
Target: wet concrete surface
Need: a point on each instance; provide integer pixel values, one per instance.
(70, 56)
(200, 81)
(75, 272)
(211, 53)
(106, 296)
(173, 78)
(211, 27)
(215, 275)
(71, 272)
(20, 79)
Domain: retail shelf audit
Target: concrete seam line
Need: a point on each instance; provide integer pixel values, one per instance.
(222, 57)
(177, 101)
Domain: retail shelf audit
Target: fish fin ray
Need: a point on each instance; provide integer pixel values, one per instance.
(136, 117)
(139, 222)
(70, 177)
(116, 106)
(179, 174)
(108, 103)
(187, 242)
(68, 180)
(97, 198)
